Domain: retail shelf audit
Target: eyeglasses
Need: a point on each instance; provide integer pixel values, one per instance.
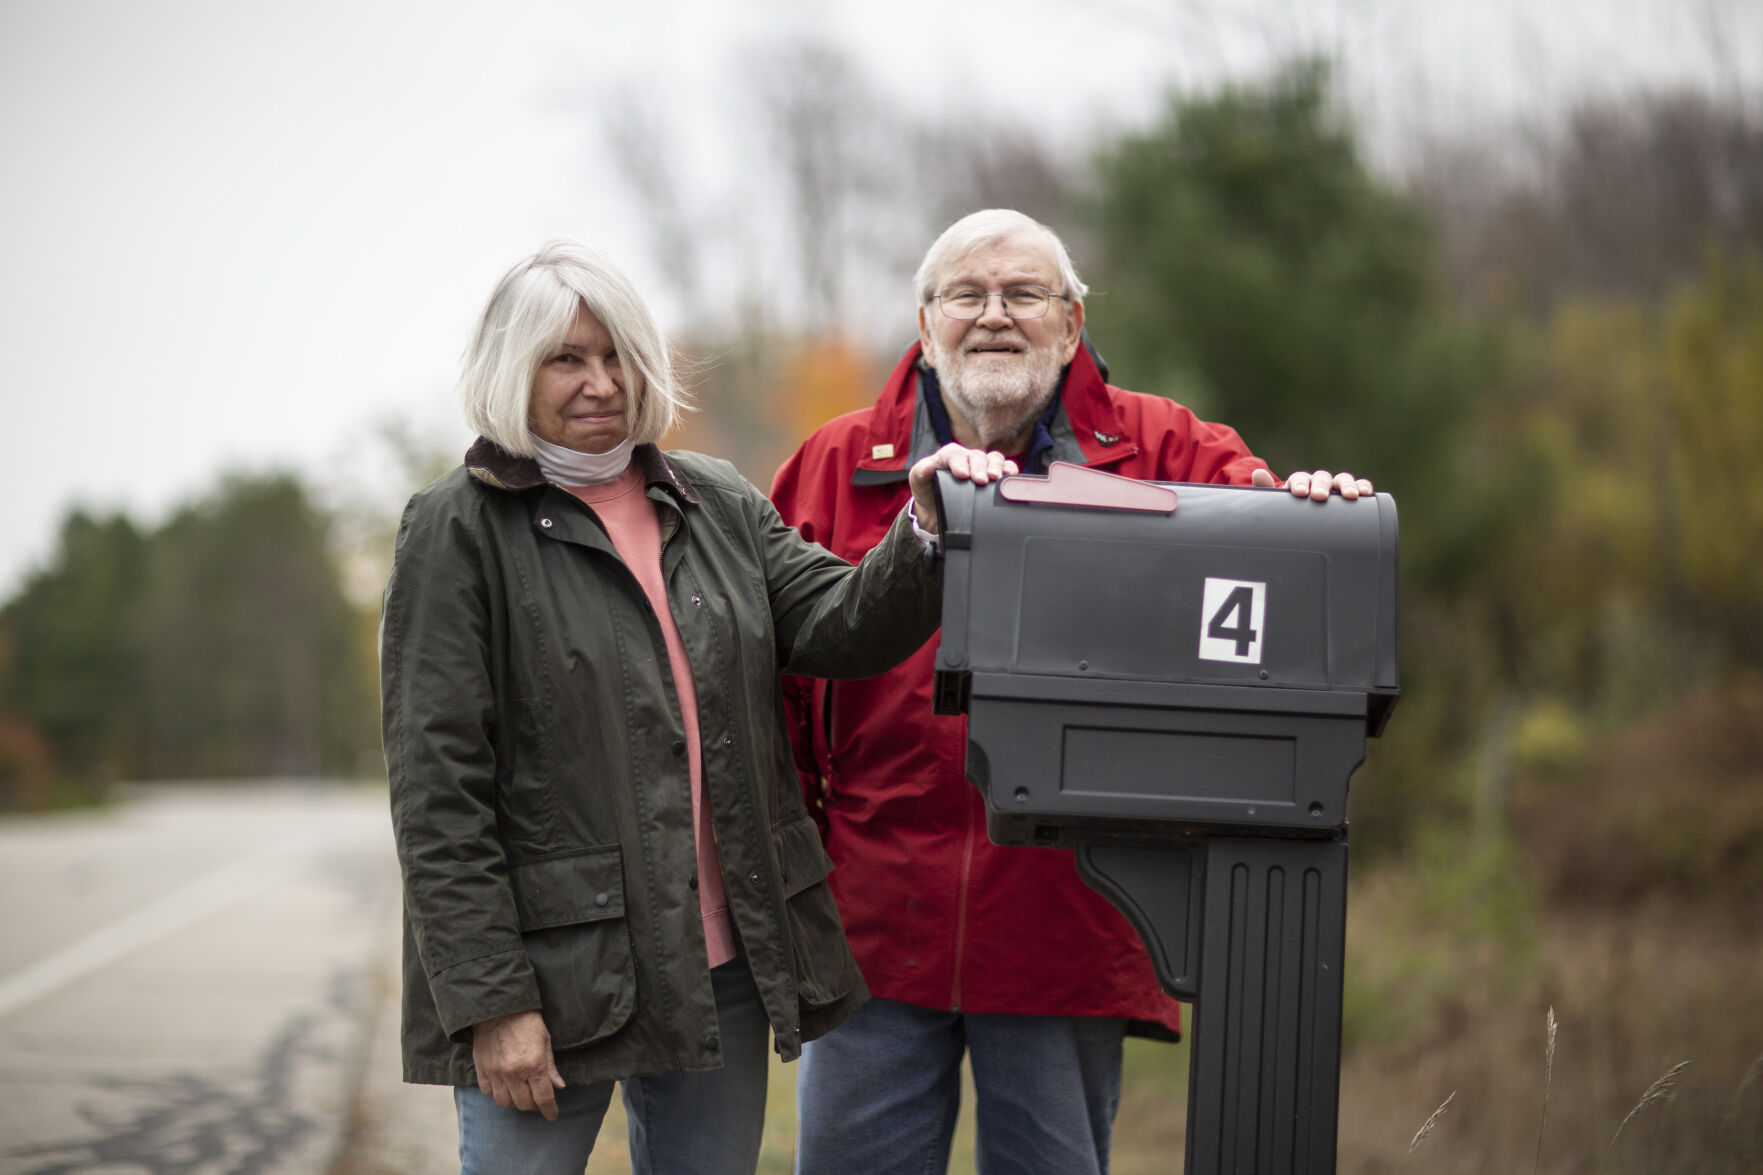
(969, 302)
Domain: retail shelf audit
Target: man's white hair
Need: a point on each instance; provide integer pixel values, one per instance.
(978, 229)
(529, 316)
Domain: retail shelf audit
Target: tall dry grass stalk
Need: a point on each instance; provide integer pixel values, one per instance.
(1426, 1126)
(1751, 1075)
(1661, 1090)
(1548, 1076)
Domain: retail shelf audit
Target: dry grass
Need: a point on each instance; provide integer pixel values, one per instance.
(1662, 1090)
(1607, 1004)
(1426, 1126)
(1737, 1102)
(1642, 948)
(1548, 1079)
(1637, 994)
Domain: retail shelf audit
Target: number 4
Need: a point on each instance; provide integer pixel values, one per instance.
(1232, 618)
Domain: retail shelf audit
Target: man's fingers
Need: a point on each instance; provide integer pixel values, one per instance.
(1262, 479)
(975, 465)
(1320, 484)
(1353, 487)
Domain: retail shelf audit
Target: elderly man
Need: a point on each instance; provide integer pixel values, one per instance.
(1001, 953)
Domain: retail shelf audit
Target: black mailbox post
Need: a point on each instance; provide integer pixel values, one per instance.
(1176, 682)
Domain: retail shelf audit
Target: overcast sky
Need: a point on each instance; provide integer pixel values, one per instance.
(237, 234)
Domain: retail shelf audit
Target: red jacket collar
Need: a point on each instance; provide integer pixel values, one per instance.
(1085, 403)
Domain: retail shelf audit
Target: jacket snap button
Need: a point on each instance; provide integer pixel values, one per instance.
(710, 1041)
(692, 881)
(545, 522)
(753, 877)
(601, 899)
(679, 748)
(728, 740)
(698, 601)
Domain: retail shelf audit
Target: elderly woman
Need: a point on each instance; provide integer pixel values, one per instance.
(608, 871)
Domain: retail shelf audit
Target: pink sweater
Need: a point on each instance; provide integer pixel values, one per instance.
(630, 520)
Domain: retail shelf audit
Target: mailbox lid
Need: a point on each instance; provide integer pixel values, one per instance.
(1234, 586)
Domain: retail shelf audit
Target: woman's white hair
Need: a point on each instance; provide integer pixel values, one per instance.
(527, 319)
(978, 229)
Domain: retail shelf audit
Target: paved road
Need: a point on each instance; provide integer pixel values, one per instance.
(196, 981)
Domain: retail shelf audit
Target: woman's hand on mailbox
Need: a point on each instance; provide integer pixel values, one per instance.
(1318, 486)
(975, 465)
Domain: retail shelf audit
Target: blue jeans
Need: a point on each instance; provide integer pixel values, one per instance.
(680, 1123)
(880, 1093)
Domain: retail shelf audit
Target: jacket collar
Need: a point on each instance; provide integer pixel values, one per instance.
(1086, 429)
(497, 468)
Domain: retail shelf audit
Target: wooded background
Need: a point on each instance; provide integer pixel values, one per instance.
(1544, 339)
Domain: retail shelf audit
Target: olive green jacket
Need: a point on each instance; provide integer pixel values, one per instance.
(539, 783)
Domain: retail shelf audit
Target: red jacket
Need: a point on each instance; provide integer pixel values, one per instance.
(937, 915)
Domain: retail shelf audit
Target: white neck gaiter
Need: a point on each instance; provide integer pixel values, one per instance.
(567, 467)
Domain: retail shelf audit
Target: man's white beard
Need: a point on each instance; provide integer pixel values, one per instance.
(1000, 399)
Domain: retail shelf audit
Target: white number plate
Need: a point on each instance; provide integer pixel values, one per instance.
(1233, 617)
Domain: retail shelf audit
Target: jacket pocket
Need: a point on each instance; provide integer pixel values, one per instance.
(572, 923)
(825, 970)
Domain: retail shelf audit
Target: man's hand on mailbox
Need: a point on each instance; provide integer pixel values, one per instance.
(1318, 486)
(966, 464)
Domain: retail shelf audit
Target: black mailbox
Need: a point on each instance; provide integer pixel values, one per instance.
(1176, 681)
